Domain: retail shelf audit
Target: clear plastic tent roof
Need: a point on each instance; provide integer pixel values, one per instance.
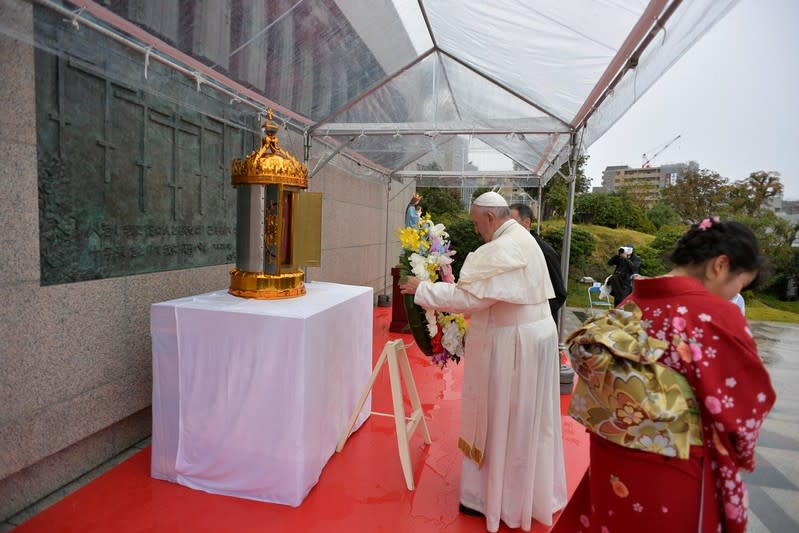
(448, 88)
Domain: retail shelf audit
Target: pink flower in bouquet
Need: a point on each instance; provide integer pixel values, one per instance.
(446, 273)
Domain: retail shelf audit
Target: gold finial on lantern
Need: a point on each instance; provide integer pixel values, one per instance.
(270, 163)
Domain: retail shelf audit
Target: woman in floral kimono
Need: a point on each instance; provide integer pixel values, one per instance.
(674, 393)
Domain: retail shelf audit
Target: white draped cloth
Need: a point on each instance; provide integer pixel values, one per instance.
(510, 415)
(250, 396)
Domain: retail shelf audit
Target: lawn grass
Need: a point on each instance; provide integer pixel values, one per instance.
(577, 294)
(773, 301)
(608, 240)
(758, 307)
(765, 307)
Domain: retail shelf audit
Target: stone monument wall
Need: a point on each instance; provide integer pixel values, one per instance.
(75, 366)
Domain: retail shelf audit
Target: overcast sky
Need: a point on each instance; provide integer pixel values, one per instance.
(733, 98)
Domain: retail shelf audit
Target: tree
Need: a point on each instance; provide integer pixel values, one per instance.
(662, 215)
(440, 202)
(774, 235)
(612, 211)
(664, 243)
(582, 244)
(698, 194)
(554, 198)
(750, 194)
(666, 238)
(463, 239)
(738, 200)
(639, 196)
(555, 193)
(652, 263)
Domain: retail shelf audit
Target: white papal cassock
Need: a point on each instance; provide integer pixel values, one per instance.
(510, 415)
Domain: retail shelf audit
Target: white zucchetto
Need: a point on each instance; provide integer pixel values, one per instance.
(490, 199)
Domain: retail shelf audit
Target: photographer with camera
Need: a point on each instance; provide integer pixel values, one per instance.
(627, 264)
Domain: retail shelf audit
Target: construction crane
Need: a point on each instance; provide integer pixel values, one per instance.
(648, 160)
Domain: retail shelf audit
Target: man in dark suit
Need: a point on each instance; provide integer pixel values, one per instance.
(524, 216)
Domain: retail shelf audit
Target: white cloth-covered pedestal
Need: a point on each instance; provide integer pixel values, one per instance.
(250, 396)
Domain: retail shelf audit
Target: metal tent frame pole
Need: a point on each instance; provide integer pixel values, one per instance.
(567, 231)
(566, 373)
(424, 129)
(540, 209)
(383, 299)
(444, 174)
(322, 162)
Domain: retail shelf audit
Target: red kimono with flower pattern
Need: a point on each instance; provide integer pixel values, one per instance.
(710, 343)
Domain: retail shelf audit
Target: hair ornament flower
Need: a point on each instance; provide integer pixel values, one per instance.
(707, 223)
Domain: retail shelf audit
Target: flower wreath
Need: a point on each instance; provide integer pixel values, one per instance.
(427, 256)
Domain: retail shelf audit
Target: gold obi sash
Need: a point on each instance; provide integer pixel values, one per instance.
(623, 394)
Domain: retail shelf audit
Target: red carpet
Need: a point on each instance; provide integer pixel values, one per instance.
(360, 490)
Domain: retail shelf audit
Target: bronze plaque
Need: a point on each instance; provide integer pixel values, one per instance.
(134, 173)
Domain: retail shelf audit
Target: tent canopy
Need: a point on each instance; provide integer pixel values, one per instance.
(436, 89)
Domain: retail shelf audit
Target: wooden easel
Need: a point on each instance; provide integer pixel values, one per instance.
(394, 352)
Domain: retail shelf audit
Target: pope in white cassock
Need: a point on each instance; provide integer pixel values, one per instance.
(510, 413)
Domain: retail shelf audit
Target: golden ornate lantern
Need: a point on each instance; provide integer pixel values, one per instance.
(278, 223)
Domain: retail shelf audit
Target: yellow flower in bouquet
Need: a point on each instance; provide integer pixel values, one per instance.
(411, 239)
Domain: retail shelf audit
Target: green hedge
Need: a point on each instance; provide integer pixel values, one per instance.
(463, 238)
(583, 244)
(651, 262)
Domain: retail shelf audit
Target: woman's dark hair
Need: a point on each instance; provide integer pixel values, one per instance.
(711, 238)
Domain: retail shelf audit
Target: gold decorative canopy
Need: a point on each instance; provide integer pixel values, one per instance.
(270, 164)
(278, 223)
